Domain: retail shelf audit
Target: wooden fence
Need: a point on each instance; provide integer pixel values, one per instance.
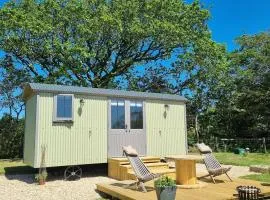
(228, 145)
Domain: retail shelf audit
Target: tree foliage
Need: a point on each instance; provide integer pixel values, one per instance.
(200, 75)
(90, 42)
(253, 82)
(11, 82)
(11, 137)
(242, 108)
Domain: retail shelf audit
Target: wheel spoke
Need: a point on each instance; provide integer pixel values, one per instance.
(73, 173)
(69, 176)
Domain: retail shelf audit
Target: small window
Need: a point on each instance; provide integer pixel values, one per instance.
(117, 114)
(63, 107)
(136, 115)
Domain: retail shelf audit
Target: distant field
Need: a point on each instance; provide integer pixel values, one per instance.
(14, 167)
(240, 160)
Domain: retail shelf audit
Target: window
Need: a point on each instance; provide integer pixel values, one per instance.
(117, 114)
(136, 115)
(63, 107)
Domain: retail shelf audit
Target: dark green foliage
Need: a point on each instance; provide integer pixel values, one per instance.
(253, 83)
(242, 104)
(11, 137)
(11, 82)
(154, 79)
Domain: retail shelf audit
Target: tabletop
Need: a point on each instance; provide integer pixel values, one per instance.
(185, 157)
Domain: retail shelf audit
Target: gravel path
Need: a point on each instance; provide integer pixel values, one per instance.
(19, 187)
(235, 172)
(22, 187)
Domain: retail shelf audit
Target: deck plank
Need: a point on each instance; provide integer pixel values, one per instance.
(224, 189)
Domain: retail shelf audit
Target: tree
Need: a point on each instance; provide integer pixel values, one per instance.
(153, 79)
(199, 75)
(11, 82)
(11, 137)
(90, 42)
(242, 107)
(252, 61)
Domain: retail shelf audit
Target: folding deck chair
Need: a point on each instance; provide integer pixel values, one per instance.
(213, 167)
(142, 173)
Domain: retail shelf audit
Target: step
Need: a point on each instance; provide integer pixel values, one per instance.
(149, 166)
(259, 168)
(115, 163)
(125, 169)
(168, 172)
(124, 160)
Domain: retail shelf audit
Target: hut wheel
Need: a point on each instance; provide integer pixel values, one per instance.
(73, 173)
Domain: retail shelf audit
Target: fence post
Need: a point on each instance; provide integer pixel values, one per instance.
(197, 128)
(225, 146)
(264, 145)
(216, 143)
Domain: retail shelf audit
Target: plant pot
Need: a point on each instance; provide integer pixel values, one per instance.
(41, 182)
(166, 193)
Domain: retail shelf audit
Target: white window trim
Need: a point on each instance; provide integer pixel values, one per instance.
(62, 119)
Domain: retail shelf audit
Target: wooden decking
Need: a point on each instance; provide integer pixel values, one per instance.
(120, 169)
(222, 190)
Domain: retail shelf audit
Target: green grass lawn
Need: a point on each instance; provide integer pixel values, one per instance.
(250, 159)
(240, 160)
(14, 167)
(258, 177)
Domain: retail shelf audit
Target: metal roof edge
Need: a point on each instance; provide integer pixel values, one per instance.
(53, 88)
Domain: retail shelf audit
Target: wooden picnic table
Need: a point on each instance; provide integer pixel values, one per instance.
(185, 166)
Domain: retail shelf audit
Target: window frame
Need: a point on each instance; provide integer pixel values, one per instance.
(63, 119)
(110, 104)
(142, 106)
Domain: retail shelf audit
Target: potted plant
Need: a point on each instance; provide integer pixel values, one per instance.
(165, 188)
(41, 177)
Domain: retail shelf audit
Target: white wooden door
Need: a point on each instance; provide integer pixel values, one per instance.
(126, 126)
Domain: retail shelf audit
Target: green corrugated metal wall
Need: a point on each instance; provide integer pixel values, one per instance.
(82, 142)
(165, 136)
(85, 140)
(30, 129)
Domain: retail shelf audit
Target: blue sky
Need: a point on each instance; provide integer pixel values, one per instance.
(232, 18)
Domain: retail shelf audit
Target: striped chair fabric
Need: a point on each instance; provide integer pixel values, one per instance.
(213, 167)
(142, 173)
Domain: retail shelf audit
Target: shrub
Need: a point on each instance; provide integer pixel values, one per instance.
(11, 137)
(164, 181)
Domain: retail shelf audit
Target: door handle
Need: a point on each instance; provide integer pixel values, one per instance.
(126, 127)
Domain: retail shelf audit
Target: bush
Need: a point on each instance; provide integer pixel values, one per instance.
(164, 181)
(11, 137)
